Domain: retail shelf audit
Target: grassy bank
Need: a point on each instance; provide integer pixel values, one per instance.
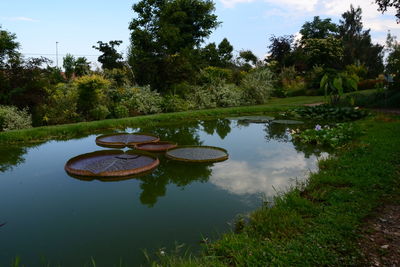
(67, 131)
(318, 223)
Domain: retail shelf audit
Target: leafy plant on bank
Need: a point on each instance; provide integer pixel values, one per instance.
(335, 136)
(12, 118)
(329, 113)
(335, 84)
(144, 100)
(257, 86)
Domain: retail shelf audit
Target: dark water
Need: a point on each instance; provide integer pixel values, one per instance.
(53, 218)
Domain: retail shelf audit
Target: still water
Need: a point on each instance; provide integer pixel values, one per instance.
(53, 218)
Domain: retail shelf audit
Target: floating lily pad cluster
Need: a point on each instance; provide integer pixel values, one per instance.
(264, 119)
(117, 163)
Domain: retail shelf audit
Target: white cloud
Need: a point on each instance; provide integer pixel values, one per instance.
(21, 19)
(275, 171)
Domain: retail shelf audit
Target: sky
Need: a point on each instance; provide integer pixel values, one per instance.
(247, 24)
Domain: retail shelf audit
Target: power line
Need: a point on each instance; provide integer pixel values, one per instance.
(38, 54)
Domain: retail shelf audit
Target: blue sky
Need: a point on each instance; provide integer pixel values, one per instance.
(78, 25)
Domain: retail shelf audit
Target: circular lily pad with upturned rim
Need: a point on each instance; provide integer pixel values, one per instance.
(197, 154)
(120, 140)
(159, 146)
(111, 163)
(254, 119)
(287, 122)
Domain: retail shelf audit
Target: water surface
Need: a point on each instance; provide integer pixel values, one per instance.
(54, 218)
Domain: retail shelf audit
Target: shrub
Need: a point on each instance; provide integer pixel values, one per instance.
(61, 105)
(143, 100)
(370, 84)
(335, 136)
(12, 118)
(99, 113)
(212, 74)
(91, 92)
(173, 103)
(203, 96)
(257, 86)
(228, 95)
(330, 113)
(120, 111)
(118, 77)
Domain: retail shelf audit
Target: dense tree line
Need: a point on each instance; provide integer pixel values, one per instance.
(169, 66)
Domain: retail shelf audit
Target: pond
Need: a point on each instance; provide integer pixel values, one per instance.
(50, 217)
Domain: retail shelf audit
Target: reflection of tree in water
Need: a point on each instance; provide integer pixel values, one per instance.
(11, 156)
(278, 132)
(311, 150)
(182, 134)
(178, 173)
(221, 126)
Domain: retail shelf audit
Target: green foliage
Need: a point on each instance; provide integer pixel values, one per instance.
(359, 70)
(82, 67)
(384, 4)
(110, 59)
(8, 47)
(329, 113)
(326, 52)
(61, 105)
(69, 66)
(12, 118)
(335, 83)
(279, 49)
(143, 100)
(318, 29)
(370, 84)
(358, 47)
(100, 112)
(91, 92)
(257, 86)
(118, 77)
(174, 103)
(213, 74)
(120, 111)
(335, 136)
(165, 36)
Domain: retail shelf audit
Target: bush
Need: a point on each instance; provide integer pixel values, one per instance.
(61, 105)
(173, 103)
(120, 111)
(257, 86)
(12, 118)
(370, 84)
(213, 74)
(91, 92)
(144, 100)
(99, 113)
(118, 77)
(330, 113)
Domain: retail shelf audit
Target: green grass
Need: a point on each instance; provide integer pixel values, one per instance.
(316, 224)
(68, 131)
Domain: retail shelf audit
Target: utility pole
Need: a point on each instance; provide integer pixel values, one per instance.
(57, 54)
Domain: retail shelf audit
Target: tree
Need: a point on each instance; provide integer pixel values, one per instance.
(384, 4)
(82, 66)
(358, 47)
(166, 37)
(225, 52)
(280, 49)
(8, 47)
(69, 66)
(326, 52)
(248, 56)
(318, 29)
(110, 59)
(393, 59)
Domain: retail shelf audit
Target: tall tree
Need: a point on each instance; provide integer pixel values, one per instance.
(8, 47)
(165, 39)
(384, 4)
(358, 47)
(225, 50)
(110, 59)
(82, 66)
(280, 49)
(318, 29)
(69, 66)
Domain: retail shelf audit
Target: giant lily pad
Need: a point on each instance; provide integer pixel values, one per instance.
(254, 119)
(111, 163)
(287, 122)
(120, 140)
(197, 154)
(159, 146)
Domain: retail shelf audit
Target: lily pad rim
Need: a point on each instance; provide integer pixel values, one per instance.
(201, 160)
(139, 146)
(121, 144)
(125, 173)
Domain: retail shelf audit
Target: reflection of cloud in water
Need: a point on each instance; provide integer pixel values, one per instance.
(275, 170)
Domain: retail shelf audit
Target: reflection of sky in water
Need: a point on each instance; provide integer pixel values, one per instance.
(258, 165)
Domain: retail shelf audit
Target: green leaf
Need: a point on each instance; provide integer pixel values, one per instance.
(338, 84)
